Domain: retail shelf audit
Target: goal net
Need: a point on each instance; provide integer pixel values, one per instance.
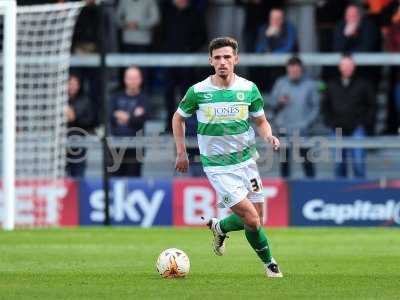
(43, 36)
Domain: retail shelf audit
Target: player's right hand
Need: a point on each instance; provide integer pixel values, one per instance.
(182, 163)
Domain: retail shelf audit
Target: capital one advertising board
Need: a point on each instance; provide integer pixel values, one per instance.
(42, 203)
(137, 202)
(345, 203)
(195, 198)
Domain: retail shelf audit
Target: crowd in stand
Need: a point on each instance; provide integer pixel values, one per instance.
(345, 96)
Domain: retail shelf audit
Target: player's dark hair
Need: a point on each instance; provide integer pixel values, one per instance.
(221, 42)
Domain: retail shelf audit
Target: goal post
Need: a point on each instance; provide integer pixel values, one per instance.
(9, 11)
(36, 42)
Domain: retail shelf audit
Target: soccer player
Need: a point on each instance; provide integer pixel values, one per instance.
(223, 103)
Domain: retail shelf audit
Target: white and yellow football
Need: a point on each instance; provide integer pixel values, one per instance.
(172, 263)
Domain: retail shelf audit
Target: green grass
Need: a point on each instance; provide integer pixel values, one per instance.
(119, 263)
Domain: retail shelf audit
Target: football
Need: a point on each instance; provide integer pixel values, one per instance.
(172, 263)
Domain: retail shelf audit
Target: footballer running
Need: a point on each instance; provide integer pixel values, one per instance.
(223, 103)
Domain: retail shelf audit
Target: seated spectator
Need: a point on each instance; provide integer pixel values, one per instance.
(356, 33)
(137, 19)
(254, 15)
(295, 100)
(278, 36)
(127, 117)
(349, 104)
(80, 117)
(392, 40)
(86, 37)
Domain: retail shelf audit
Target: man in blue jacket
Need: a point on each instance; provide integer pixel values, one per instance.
(128, 114)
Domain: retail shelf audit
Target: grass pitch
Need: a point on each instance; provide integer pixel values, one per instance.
(119, 263)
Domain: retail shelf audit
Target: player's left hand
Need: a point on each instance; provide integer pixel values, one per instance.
(274, 141)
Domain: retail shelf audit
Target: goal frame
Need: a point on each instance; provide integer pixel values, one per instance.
(9, 10)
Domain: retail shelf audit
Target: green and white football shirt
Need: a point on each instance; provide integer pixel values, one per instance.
(224, 134)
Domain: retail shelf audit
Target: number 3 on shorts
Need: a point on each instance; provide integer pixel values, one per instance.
(255, 184)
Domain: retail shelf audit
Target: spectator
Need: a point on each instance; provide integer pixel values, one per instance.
(255, 11)
(86, 40)
(356, 33)
(86, 37)
(79, 115)
(349, 104)
(183, 31)
(137, 18)
(128, 114)
(391, 15)
(278, 36)
(295, 100)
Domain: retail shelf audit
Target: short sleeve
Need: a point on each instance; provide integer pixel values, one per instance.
(257, 103)
(188, 104)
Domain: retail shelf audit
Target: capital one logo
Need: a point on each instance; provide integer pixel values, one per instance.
(199, 202)
(134, 206)
(359, 210)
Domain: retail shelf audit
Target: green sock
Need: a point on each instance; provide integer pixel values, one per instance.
(231, 223)
(259, 242)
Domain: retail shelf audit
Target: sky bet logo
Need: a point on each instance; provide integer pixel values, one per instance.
(132, 203)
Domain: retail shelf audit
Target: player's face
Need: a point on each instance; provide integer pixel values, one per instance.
(224, 60)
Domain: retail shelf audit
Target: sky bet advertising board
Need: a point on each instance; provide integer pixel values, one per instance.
(195, 198)
(44, 203)
(137, 202)
(345, 203)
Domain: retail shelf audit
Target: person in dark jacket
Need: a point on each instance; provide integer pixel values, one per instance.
(349, 104)
(357, 34)
(128, 114)
(183, 31)
(86, 41)
(80, 118)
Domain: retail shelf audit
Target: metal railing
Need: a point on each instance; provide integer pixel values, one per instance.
(200, 59)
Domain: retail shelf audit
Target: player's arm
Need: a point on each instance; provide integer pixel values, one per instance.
(178, 129)
(265, 131)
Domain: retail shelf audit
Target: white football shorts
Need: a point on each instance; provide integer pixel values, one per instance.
(234, 185)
